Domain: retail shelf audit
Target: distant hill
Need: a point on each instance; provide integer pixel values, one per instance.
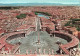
(38, 4)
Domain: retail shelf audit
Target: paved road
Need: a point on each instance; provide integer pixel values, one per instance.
(38, 24)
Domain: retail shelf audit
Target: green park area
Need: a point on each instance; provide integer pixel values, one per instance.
(74, 23)
(21, 16)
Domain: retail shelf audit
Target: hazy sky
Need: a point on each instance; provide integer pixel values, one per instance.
(41, 1)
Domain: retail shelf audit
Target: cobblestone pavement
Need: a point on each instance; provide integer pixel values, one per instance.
(29, 43)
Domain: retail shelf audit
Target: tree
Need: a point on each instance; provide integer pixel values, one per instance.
(21, 16)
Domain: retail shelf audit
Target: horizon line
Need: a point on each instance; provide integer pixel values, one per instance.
(51, 3)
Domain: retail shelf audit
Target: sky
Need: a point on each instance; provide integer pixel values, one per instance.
(41, 1)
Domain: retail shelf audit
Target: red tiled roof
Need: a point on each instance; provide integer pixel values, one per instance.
(23, 27)
(1, 31)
